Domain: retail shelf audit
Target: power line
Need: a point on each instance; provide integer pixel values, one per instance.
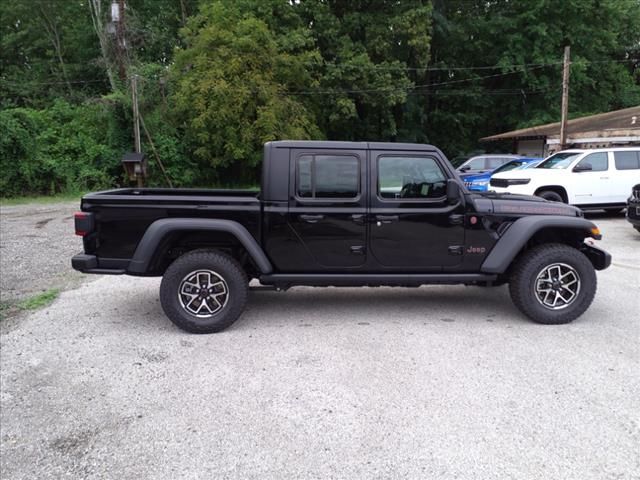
(462, 68)
(52, 83)
(401, 68)
(400, 89)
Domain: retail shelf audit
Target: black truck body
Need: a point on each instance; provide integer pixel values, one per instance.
(332, 213)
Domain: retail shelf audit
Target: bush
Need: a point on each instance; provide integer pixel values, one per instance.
(61, 149)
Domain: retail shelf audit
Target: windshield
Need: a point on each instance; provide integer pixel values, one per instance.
(512, 165)
(560, 160)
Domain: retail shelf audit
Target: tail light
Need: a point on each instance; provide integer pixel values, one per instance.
(84, 223)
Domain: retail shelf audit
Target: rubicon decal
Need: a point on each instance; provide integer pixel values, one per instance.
(530, 209)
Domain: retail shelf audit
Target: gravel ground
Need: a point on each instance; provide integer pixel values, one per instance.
(436, 382)
(36, 246)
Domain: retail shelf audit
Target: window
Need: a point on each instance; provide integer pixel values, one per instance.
(560, 160)
(410, 177)
(328, 176)
(512, 165)
(493, 162)
(599, 161)
(476, 163)
(627, 160)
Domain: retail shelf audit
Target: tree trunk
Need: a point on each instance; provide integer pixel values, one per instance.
(96, 16)
(51, 29)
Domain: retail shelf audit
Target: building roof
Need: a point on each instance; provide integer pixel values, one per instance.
(605, 124)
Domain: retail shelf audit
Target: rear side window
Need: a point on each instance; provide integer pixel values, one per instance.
(627, 160)
(410, 177)
(496, 162)
(599, 161)
(328, 176)
(477, 163)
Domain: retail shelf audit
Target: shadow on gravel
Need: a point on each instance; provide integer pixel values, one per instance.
(377, 306)
(331, 306)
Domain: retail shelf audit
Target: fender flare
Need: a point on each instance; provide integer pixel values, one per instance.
(519, 233)
(158, 230)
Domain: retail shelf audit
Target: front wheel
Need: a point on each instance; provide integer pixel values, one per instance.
(204, 291)
(553, 284)
(550, 195)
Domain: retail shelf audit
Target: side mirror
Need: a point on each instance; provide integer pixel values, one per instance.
(454, 192)
(465, 168)
(584, 167)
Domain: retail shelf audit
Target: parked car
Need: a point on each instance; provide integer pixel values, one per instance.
(589, 179)
(341, 214)
(633, 207)
(485, 163)
(480, 182)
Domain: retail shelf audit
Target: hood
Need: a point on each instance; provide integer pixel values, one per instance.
(531, 173)
(523, 205)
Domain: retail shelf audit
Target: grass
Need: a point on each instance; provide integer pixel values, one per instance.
(59, 197)
(5, 308)
(35, 302)
(39, 300)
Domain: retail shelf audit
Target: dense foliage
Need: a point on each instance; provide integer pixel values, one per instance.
(218, 78)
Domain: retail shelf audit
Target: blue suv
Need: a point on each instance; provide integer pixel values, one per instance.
(479, 182)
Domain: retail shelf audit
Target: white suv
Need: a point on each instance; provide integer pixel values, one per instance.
(596, 178)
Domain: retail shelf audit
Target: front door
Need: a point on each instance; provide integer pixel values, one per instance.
(327, 210)
(413, 228)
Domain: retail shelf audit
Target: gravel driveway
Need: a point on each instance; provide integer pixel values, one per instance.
(36, 246)
(435, 382)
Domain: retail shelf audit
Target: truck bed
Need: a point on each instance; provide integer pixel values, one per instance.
(123, 215)
(172, 195)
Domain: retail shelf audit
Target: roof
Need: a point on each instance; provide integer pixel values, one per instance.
(338, 145)
(617, 121)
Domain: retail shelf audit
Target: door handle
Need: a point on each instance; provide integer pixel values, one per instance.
(311, 218)
(358, 218)
(387, 218)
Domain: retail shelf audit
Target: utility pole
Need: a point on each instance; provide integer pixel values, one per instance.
(136, 121)
(565, 97)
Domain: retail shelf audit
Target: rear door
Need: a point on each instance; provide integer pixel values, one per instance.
(624, 174)
(413, 228)
(327, 208)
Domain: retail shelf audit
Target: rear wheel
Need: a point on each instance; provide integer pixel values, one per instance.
(204, 291)
(550, 195)
(553, 284)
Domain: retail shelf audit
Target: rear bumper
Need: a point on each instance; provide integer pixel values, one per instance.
(89, 264)
(633, 213)
(598, 257)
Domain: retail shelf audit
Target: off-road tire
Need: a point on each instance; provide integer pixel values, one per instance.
(550, 195)
(524, 274)
(226, 268)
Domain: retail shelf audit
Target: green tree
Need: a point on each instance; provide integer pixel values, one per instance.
(370, 51)
(230, 89)
(523, 43)
(47, 51)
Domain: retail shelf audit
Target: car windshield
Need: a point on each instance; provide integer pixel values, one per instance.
(532, 164)
(560, 160)
(512, 165)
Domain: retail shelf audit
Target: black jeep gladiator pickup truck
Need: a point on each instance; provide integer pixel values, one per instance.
(341, 214)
